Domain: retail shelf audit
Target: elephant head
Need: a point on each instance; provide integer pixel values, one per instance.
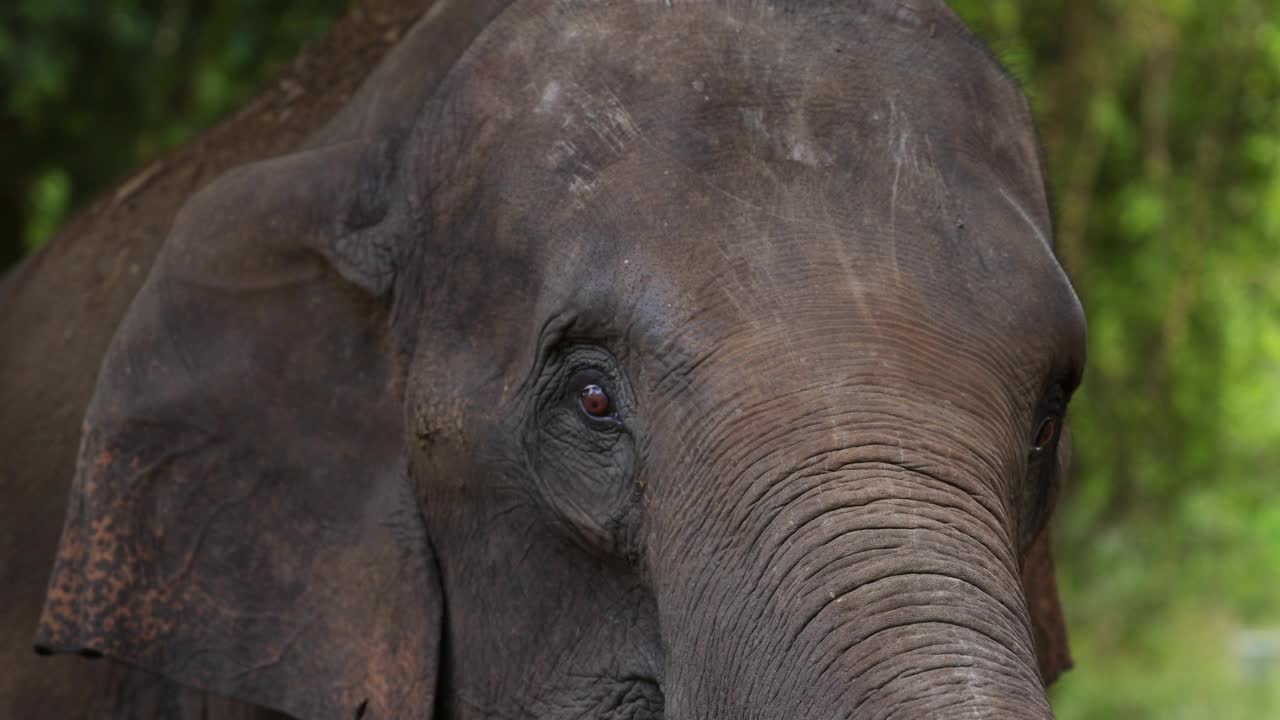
(686, 360)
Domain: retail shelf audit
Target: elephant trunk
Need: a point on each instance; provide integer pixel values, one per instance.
(854, 588)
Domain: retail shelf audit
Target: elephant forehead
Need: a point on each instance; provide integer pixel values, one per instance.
(750, 157)
(862, 114)
(803, 84)
(794, 279)
(747, 242)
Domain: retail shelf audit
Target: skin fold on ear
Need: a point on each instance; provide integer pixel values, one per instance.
(1041, 587)
(241, 519)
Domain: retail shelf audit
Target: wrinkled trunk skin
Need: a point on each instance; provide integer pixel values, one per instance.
(866, 606)
(866, 580)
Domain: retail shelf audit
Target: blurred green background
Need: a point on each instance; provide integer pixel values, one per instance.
(1161, 120)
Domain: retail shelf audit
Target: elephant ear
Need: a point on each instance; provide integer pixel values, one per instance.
(1040, 584)
(241, 519)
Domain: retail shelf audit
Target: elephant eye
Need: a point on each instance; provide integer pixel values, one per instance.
(1045, 435)
(594, 389)
(1052, 410)
(595, 401)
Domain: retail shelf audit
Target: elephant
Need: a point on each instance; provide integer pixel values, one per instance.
(599, 359)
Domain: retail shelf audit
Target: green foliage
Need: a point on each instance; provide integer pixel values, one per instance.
(1162, 127)
(1161, 120)
(90, 90)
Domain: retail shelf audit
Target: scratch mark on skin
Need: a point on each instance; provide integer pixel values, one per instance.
(620, 116)
(547, 101)
(659, 152)
(581, 188)
(804, 154)
(893, 208)
(753, 119)
(899, 157)
(603, 115)
(1026, 217)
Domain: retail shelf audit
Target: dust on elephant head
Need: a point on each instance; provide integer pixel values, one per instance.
(686, 360)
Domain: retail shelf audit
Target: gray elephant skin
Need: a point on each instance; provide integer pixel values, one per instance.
(597, 359)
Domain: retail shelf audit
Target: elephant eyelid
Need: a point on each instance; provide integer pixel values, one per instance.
(1045, 434)
(1051, 416)
(1042, 480)
(582, 376)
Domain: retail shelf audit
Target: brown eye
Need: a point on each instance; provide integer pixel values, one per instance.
(595, 401)
(1045, 434)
